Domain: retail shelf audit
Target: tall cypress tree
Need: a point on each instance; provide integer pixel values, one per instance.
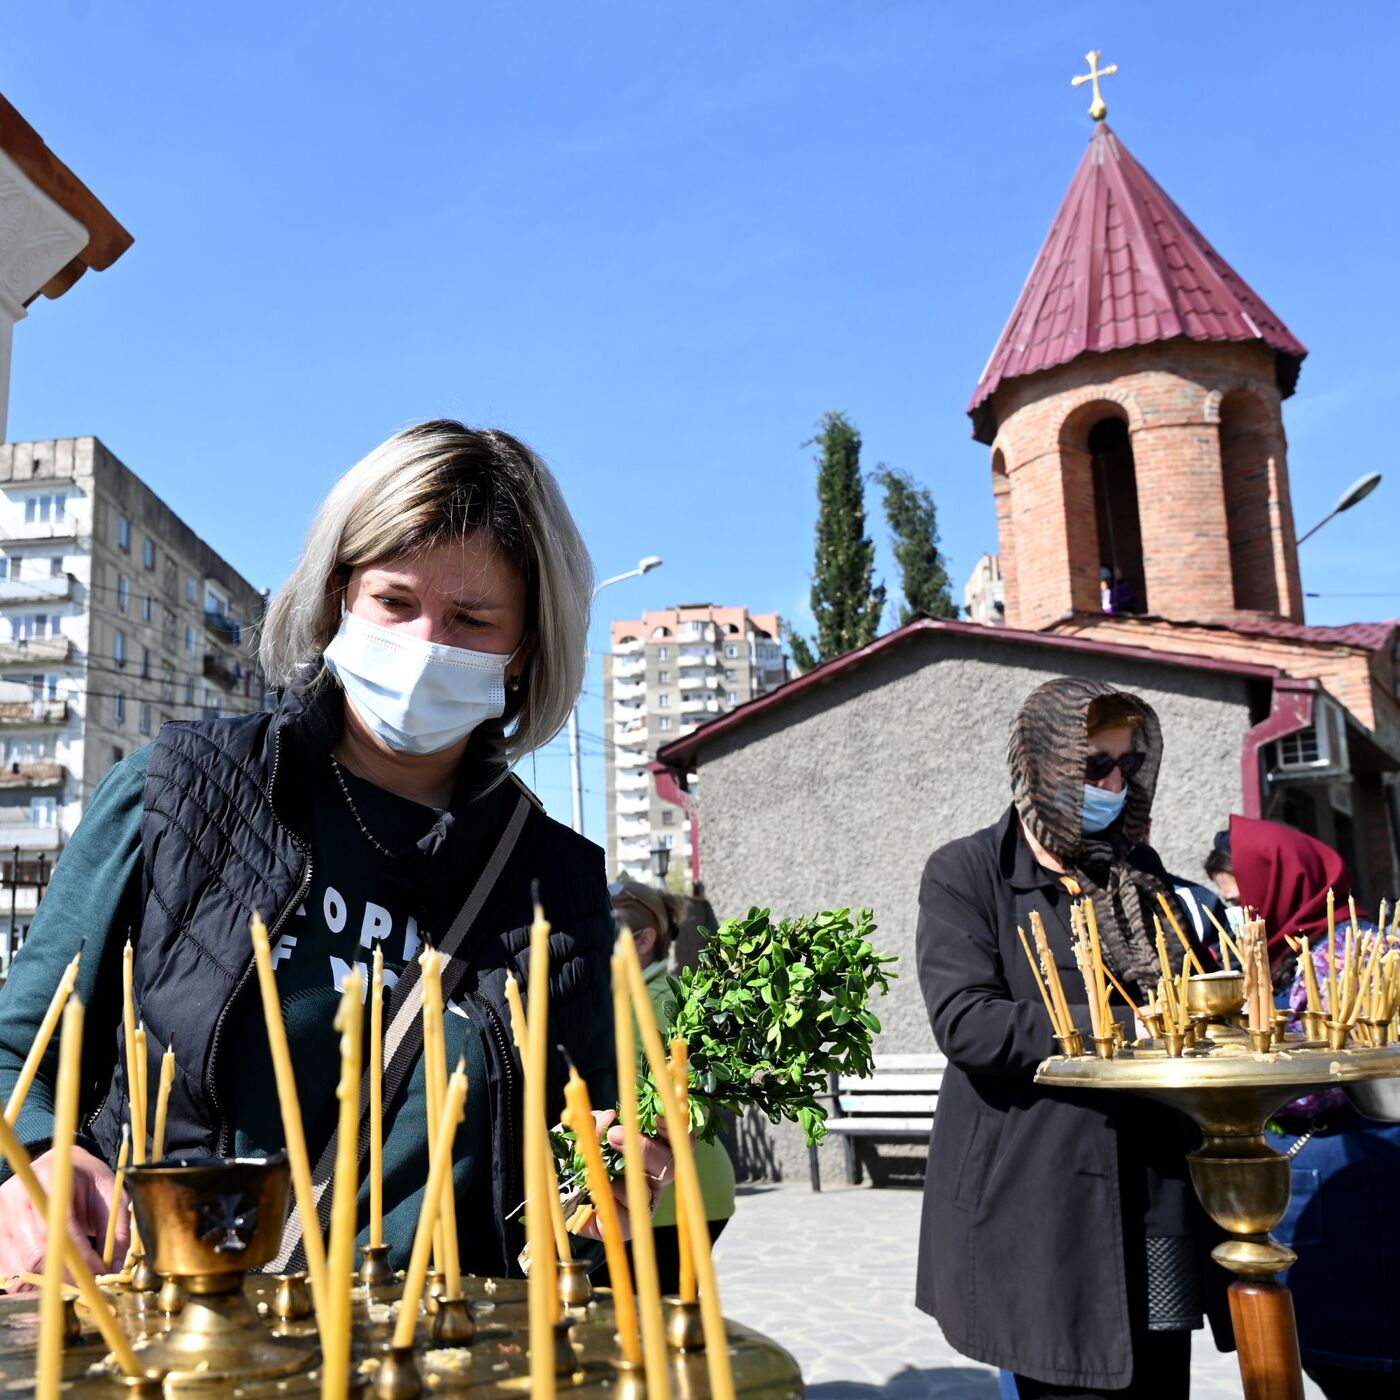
(846, 602)
(913, 522)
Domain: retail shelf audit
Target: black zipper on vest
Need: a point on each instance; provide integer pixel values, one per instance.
(515, 1180)
(304, 847)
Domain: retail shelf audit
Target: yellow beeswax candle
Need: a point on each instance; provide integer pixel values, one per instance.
(638, 1187)
(439, 1164)
(41, 1040)
(435, 1061)
(290, 1105)
(520, 1029)
(167, 1079)
(14, 1152)
(376, 1100)
(690, 1203)
(340, 1258)
(544, 1281)
(134, 1084)
(578, 1117)
(680, 1077)
(65, 1124)
(109, 1247)
(143, 1069)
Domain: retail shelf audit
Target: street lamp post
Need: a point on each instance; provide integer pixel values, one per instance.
(660, 862)
(644, 566)
(1357, 491)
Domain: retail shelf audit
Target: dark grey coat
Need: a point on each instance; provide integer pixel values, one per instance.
(1036, 1204)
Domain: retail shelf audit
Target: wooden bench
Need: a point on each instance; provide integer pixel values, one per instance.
(896, 1104)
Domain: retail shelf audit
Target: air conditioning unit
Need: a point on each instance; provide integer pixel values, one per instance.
(1320, 750)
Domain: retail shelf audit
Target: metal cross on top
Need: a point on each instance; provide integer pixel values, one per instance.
(1098, 109)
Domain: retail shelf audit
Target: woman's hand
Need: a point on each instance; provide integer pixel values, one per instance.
(23, 1235)
(657, 1161)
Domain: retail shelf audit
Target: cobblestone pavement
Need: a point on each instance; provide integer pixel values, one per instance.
(831, 1278)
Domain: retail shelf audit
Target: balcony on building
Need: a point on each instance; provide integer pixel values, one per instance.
(19, 831)
(632, 736)
(36, 590)
(222, 671)
(30, 650)
(633, 780)
(687, 660)
(39, 532)
(628, 690)
(45, 776)
(14, 713)
(220, 624)
(628, 662)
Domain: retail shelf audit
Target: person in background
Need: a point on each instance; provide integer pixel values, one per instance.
(1345, 1167)
(653, 916)
(1061, 1239)
(1220, 869)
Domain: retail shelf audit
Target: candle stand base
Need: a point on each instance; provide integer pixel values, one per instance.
(685, 1329)
(291, 1300)
(144, 1278)
(453, 1325)
(375, 1269)
(171, 1297)
(575, 1291)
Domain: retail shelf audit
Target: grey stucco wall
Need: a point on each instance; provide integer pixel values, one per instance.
(838, 797)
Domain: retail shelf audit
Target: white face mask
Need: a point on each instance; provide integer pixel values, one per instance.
(418, 697)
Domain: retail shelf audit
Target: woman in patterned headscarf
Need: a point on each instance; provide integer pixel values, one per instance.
(1061, 1239)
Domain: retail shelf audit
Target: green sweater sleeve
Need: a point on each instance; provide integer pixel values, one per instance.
(94, 900)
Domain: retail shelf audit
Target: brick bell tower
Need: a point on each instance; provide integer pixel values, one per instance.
(1134, 408)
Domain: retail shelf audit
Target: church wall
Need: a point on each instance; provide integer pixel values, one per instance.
(838, 797)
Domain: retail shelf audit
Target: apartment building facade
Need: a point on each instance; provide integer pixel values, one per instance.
(668, 672)
(114, 618)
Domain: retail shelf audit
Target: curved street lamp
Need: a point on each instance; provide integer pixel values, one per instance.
(1356, 492)
(644, 566)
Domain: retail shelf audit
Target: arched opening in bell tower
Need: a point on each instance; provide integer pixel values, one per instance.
(1250, 445)
(1123, 577)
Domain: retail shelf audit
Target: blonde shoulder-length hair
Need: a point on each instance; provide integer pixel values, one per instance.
(441, 481)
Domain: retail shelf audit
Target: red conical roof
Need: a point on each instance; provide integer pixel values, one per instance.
(1123, 266)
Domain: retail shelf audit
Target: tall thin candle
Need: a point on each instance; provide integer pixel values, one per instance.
(1332, 952)
(167, 1080)
(42, 1038)
(294, 1135)
(439, 1162)
(544, 1281)
(520, 1029)
(143, 1072)
(638, 1188)
(680, 1077)
(65, 1124)
(578, 1117)
(435, 1053)
(376, 1099)
(690, 1203)
(109, 1246)
(340, 1260)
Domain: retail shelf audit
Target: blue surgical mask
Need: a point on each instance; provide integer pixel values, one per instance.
(417, 696)
(1101, 807)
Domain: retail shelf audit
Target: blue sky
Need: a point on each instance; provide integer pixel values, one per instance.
(658, 241)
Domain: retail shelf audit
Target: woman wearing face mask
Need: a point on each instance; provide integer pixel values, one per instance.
(432, 634)
(1061, 1239)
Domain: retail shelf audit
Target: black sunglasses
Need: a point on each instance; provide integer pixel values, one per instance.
(1099, 765)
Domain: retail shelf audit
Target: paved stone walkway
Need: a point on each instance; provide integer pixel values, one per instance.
(831, 1278)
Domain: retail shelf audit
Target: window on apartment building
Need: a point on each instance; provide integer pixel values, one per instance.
(118, 710)
(145, 719)
(46, 508)
(664, 701)
(664, 722)
(191, 589)
(695, 629)
(5, 568)
(728, 674)
(43, 811)
(123, 593)
(663, 653)
(56, 566)
(51, 687)
(731, 650)
(668, 817)
(119, 648)
(124, 534)
(189, 691)
(33, 627)
(146, 663)
(733, 697)
(667, 841)
(189, 640)
(148, 609)
(663, 678)
(148, 553)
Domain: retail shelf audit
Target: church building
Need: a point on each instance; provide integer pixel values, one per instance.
(1133, 408)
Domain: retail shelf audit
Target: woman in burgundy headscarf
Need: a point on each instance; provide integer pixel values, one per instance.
(1345, 1167)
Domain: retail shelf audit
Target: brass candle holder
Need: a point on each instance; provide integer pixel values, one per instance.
(453, 1324)
(375, 1268)
(575, 1291)
(685, 1328)
(207, 1222)
(1070, 1045)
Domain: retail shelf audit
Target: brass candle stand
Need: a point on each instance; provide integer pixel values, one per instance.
(1229, 1086)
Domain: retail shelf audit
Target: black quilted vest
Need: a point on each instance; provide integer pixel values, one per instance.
(220, 841)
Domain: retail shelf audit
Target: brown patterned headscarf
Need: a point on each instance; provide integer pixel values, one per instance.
(1046, 756)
